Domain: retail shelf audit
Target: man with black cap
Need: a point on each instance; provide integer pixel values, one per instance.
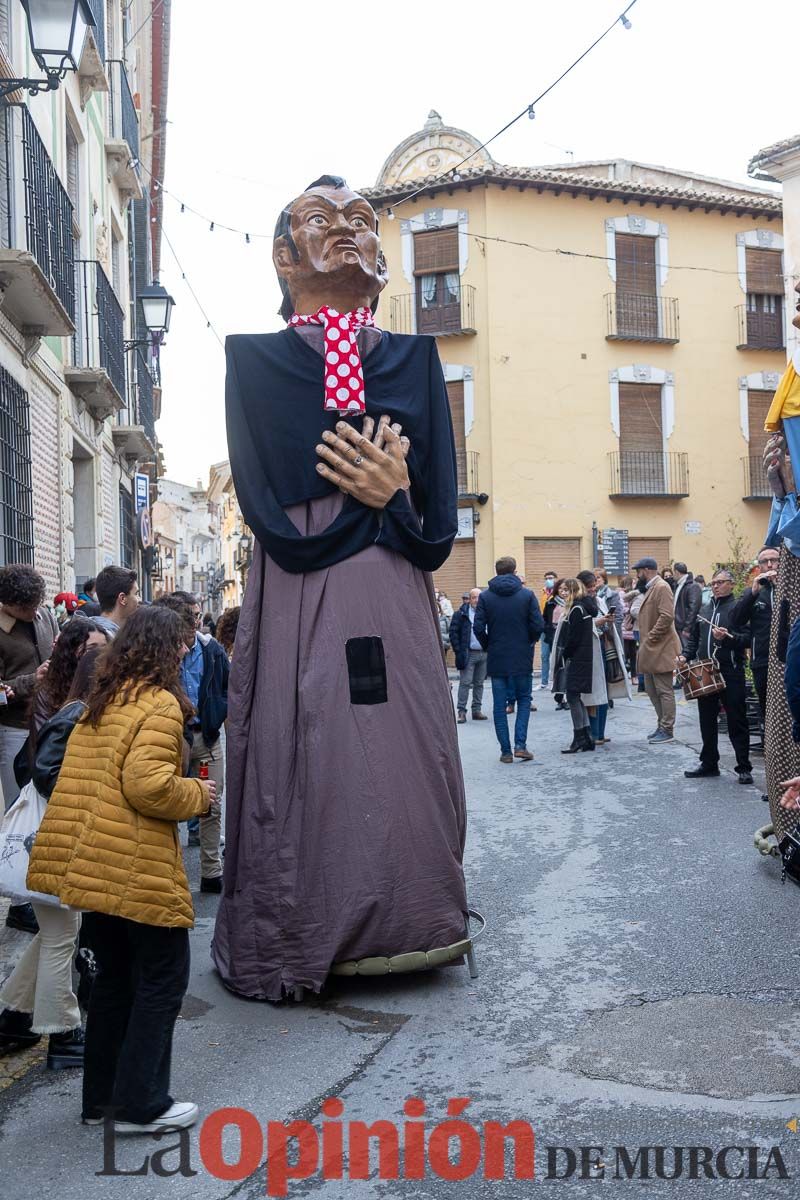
(659, 645)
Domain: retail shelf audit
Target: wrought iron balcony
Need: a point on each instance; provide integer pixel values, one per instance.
(37, 258)
(91, 69)
(98, 9)
(756, 484)
(122, 142)
(467, 467)
(409, 313)
(648, 473)
(640, 317)
(760, 330)
(97, 373)
(135, 433)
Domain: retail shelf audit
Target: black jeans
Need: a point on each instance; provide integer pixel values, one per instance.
(735, 707)
(760, 673)
(136, 998)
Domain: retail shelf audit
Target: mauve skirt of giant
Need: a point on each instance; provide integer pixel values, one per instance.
(345, 822)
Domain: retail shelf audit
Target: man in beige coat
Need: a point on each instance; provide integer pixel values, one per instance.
(658, 647)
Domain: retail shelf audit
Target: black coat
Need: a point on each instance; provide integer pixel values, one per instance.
(508, 623)
(730, 651)
(578, 644)
(754, 613)
(212, 705)
(461, 636)
(687, 606)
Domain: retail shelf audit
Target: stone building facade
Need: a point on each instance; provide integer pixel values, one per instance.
(79, 239)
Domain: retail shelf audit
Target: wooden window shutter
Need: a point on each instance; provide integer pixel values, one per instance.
(764, 271)
(457, 575)
(436, 250)
(649, 547)
(640, 417)
(636, 264)
(455, 394)
(757, 408)
(562, 555)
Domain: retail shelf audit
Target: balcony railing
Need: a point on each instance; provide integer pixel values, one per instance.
(98, 341)
(409, 314)
(144, 397)
(760, 330)
(648, 473)
(48, 209)
(467, 467)
(756, 484)
(123, 120)
(640, 317)
(98, 9)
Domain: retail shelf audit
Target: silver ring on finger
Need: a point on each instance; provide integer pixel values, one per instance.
(357, 461)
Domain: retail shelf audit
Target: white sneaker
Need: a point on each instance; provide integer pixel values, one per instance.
(181, 1115)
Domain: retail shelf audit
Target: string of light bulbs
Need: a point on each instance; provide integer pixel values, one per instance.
(452, 172)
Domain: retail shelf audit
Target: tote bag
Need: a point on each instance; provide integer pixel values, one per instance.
(17, 834)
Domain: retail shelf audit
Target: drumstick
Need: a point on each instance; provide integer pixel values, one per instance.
(711, 623)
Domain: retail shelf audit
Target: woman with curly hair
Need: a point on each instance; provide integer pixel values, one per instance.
(78, 635)
(108, 844)
(226, 629)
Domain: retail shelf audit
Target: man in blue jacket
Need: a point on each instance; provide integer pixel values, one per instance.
(470, 658)
(508, 623)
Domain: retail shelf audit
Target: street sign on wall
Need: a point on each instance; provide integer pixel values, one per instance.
(142, 491)
(615, 551)
(466, 523)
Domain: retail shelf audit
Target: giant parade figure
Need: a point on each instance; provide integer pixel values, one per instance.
(782, 452)
(345, 799)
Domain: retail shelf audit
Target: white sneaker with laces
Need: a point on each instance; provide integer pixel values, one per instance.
(180, 1115)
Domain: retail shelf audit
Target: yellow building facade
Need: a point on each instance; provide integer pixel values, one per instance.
(611, 335)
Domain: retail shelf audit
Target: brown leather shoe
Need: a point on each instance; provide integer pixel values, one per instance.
(525, 755)
(462, 719)
(507, 758)
(479, 716)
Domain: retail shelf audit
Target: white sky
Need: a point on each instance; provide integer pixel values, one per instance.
(263, 98)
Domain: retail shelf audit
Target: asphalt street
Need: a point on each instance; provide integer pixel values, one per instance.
(638, 987)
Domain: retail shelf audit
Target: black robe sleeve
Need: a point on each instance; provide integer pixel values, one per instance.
(353, 529)
(434, 487)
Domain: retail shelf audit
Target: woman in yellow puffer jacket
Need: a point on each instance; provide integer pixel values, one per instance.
(108, 844)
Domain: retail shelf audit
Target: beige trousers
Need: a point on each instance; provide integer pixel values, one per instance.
(211, 826)
(662, 697)
(41, 982)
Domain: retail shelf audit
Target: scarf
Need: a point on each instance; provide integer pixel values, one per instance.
(344, 374)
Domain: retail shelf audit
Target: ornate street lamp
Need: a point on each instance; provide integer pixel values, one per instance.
(57, 31)
(157, 306)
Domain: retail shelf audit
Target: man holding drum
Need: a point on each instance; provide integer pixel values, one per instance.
(714, 636)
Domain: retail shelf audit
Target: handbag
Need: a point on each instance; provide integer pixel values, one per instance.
(17, 834)
(701, 678)
(789, 850)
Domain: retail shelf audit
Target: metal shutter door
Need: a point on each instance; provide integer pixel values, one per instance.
(649, 547)
(562, 555)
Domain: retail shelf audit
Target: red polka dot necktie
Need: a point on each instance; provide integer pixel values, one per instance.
(344, 374)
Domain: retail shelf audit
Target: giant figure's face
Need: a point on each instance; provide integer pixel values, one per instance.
(796, 317)
(336, 246)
